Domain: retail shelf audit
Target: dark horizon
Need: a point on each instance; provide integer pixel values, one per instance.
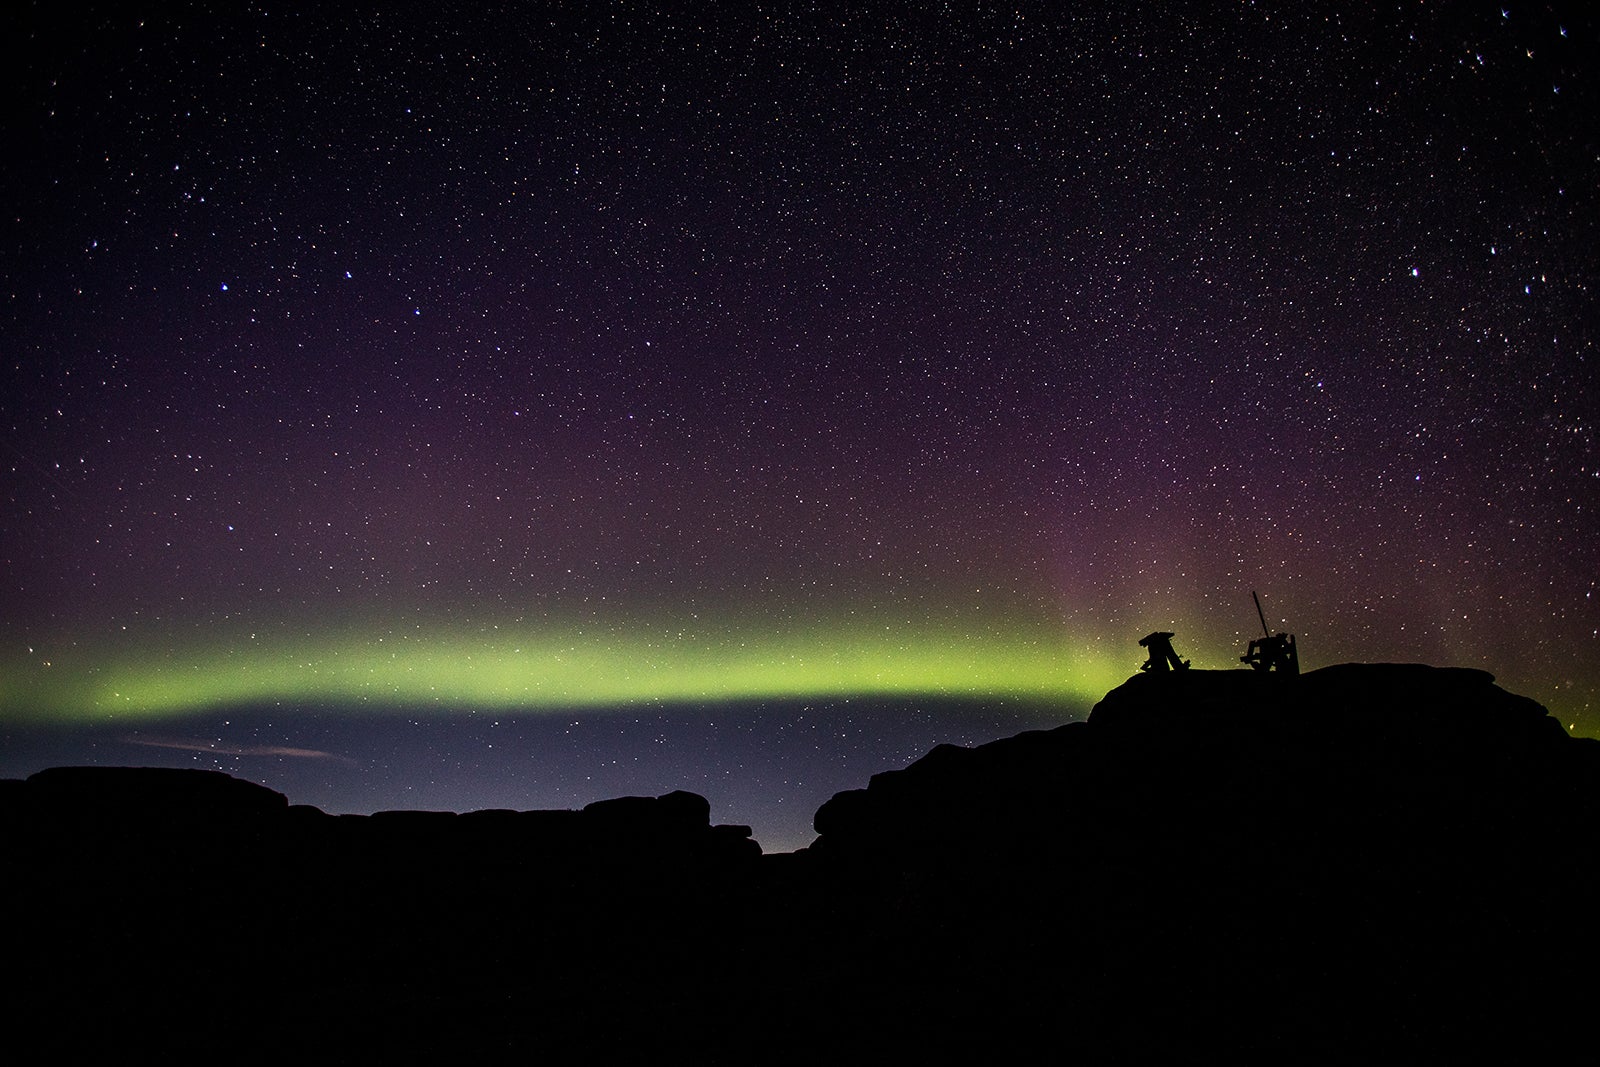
(769, 766)
(1362, 863)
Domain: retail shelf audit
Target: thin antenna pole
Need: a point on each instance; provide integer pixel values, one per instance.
(1262, 614)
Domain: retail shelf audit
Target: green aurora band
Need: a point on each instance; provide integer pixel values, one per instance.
(510, 668)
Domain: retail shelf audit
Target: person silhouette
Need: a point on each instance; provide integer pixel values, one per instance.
(1275, 652)
(1162, 657)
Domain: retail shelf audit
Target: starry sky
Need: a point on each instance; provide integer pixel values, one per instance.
(514, 405)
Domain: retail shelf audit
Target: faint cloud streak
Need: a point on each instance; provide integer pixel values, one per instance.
(222, 748)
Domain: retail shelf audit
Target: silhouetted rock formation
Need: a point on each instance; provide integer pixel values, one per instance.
(191, 909)
(143, 793)
(1383, 862)
(1364, 861)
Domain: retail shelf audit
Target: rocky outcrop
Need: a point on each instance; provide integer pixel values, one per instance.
(140, 793)
(1363, 863)
(1195, 754)
(190, 908)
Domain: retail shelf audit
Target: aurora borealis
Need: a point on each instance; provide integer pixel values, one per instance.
(544, 668)
(370, 374)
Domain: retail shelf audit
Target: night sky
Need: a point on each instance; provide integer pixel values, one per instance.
(460, 406)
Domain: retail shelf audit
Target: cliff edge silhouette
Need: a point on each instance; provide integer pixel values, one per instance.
(1382, 861)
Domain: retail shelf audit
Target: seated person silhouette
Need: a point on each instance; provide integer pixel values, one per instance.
(1276, 652)
(1162, 657)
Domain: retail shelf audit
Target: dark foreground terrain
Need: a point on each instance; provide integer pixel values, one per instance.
(1371, 862)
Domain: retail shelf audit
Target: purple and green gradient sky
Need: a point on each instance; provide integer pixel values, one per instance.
(784, 388)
